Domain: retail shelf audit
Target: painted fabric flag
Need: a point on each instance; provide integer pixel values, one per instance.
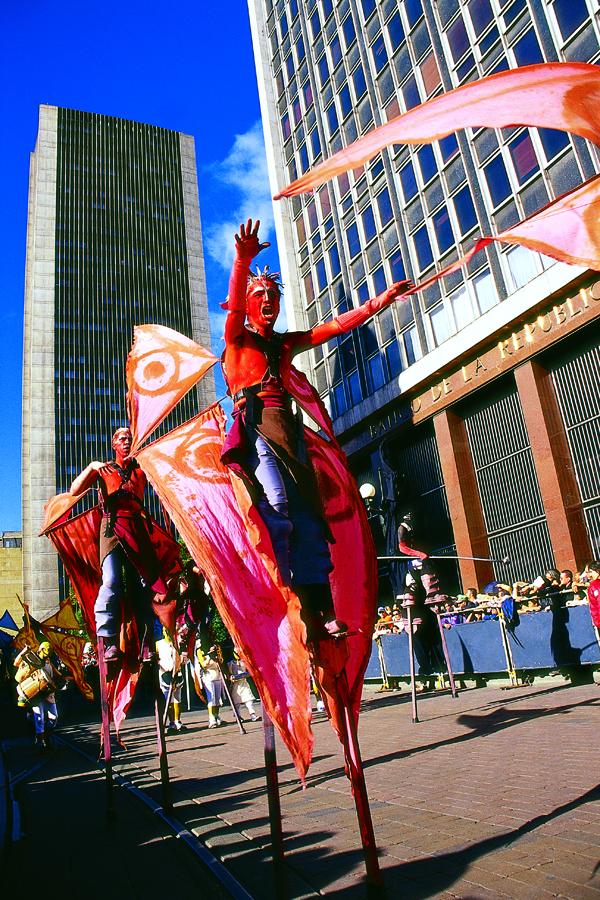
(162, 367)
(568, 229)
(563, 96)
(63, 633)
(213, 513)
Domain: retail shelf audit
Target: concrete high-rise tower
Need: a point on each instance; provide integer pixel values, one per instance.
(113, 240)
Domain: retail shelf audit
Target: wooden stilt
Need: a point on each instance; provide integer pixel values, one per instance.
(385, 682)
(510, 666)
(159, 712)
(411, 662)
(274, 807)
(446, 655)
(236, 714)
(359, 789)
(105, 731)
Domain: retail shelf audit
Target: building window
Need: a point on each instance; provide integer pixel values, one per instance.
(523, 157)
(527, 49)
(384, 205)
(427, 162)
(368, 7)
(345, 101)
(458, 39)
(349, 31)
(481, 14)
(465, 210)
(315, 24)
(570, 14)
(332, 119)
(360, 85)
(395, 31)
(485, 291)
(423, 248)
(443, 230)
(408, 182)
(523, 266)
(368, 221)
(380, 56)
(334, 261)
(321, 274)
(440, 324)
(552, 141)
(497, 180)
(353, 240)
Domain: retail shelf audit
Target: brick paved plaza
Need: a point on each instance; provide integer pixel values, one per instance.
(494, 794)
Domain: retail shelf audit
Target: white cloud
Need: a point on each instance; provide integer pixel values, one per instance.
(244, 172)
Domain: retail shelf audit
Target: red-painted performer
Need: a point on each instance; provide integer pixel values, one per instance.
(125, 544)
(97, 545)
(266, 444)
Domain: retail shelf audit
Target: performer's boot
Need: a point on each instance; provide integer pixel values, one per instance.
(112, 654)
(317, 611)
(213, 717)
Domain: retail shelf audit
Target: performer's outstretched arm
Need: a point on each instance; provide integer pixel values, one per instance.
(348, 320)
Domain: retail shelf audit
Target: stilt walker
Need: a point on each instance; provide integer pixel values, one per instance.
(271, 519)
(121, 565)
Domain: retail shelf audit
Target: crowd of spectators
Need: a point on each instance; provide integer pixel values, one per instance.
(548, 592)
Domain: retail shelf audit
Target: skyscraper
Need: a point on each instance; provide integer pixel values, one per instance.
(458, 389)
(113, 240)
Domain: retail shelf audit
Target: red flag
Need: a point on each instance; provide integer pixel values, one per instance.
(565, 96)
(162, 367)
(213, 512)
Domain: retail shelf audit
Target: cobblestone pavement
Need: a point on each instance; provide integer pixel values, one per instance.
(495, 794)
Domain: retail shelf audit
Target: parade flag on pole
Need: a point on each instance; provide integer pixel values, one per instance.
(563, 96)
(212, 511)
(64, 635)
(162, 367)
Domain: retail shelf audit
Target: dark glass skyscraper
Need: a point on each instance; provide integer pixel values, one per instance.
(113, 241)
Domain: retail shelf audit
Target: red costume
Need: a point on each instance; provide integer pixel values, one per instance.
(267, 444)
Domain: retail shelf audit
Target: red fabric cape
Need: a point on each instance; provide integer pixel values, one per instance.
(76, 541)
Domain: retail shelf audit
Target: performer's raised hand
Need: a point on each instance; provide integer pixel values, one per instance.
(393, 292)
(247, 243)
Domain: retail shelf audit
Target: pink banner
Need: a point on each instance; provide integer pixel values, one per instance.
(213, 513)
(162, 367)
(565, 96)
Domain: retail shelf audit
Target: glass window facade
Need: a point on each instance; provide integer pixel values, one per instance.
(414, 208)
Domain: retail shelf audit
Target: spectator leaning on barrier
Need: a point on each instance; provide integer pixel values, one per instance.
(594, 592)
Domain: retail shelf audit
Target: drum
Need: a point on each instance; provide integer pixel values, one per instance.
(36, 686)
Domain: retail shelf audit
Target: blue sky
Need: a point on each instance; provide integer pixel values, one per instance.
(187, 66)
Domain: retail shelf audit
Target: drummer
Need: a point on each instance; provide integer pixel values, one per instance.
(43, 703)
